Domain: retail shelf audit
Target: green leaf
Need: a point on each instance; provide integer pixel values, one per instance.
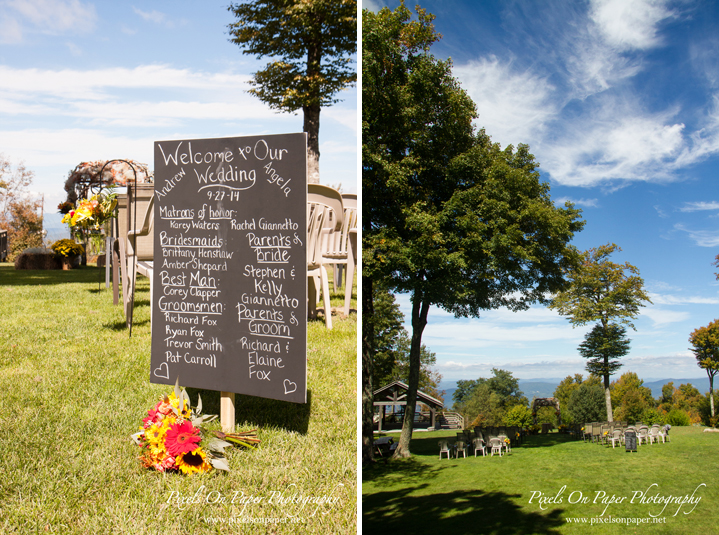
(217, 445)
(198, 421)
(177, 388)
(199, 404)
(219, 464)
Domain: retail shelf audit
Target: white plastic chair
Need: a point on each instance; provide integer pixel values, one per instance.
(333, 224)
(479, 446)
(316, 271)
(443, 448)
(495, 444)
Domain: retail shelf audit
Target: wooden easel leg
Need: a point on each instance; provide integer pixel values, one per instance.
(227, 412)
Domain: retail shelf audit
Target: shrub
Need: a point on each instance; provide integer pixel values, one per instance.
(678, 417)
(519, 415)
(652, 416)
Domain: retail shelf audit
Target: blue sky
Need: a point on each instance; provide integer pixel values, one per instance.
(619, 102)
(83, 80)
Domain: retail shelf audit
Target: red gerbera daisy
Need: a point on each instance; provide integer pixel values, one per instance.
(151, 418)
(181, 438)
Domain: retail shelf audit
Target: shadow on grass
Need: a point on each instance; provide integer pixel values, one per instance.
(259, 412)
(9, 276)
(457, 512)
(122, 326)
(545, 440)
(386, 472)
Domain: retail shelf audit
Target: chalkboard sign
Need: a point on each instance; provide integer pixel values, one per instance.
(230, 285)
(630, 440)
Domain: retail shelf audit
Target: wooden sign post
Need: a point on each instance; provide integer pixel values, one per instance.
(227, 411)
(230, 284)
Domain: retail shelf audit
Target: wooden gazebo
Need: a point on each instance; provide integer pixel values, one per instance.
(395, 394)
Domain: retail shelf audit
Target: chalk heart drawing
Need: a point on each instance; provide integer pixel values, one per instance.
(166, 368)
(289, 385)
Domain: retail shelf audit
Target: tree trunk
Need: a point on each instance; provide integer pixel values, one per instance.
(607, 392)
(419, 322)
(608, 399)
(312, 127)
(367, 369)
(311, 112)
(711, 393)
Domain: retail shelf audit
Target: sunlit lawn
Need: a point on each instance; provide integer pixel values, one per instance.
(74, 388)
(492, 495)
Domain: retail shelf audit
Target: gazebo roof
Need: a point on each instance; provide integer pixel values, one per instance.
(396, 394)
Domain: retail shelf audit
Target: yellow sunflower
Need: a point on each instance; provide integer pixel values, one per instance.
(185, 412)
(193, 461)
(155, 434)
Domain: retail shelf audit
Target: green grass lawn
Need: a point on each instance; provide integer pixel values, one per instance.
(74, 388)
(492, 495)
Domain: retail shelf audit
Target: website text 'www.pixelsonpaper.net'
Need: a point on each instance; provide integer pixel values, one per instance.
(631, 521)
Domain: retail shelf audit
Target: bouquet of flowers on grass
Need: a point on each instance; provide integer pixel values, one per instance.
(67, 248)
(92, 213)
(172, 437)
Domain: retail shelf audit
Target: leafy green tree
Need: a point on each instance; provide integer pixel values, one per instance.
(704, 408)
(492, 397)
(667, 392)
(563, 392)
(705, 346)
(428, 379)
(630, 382)
(24, 225)
(485, 407)
(464, 390)
(19, 214)
(311, 44)
(586, 404)
(633, 407)
(519, 415)
(687, 398)
(448, 216)
(604, 292)
(602, 347)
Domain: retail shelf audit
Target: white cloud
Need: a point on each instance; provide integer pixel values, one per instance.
(629, 25)
(373, 5)
(91, 84)
(703, 238)
(45, 16)
(615, 144)
(10, 29)
(659, 299)
(580, 112)
(151, 16)
(587, 203)
(514, 107)
(662, 316)
(344, 116)
(698, 206)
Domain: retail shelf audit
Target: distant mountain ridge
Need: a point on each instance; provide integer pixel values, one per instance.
(544, 388)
